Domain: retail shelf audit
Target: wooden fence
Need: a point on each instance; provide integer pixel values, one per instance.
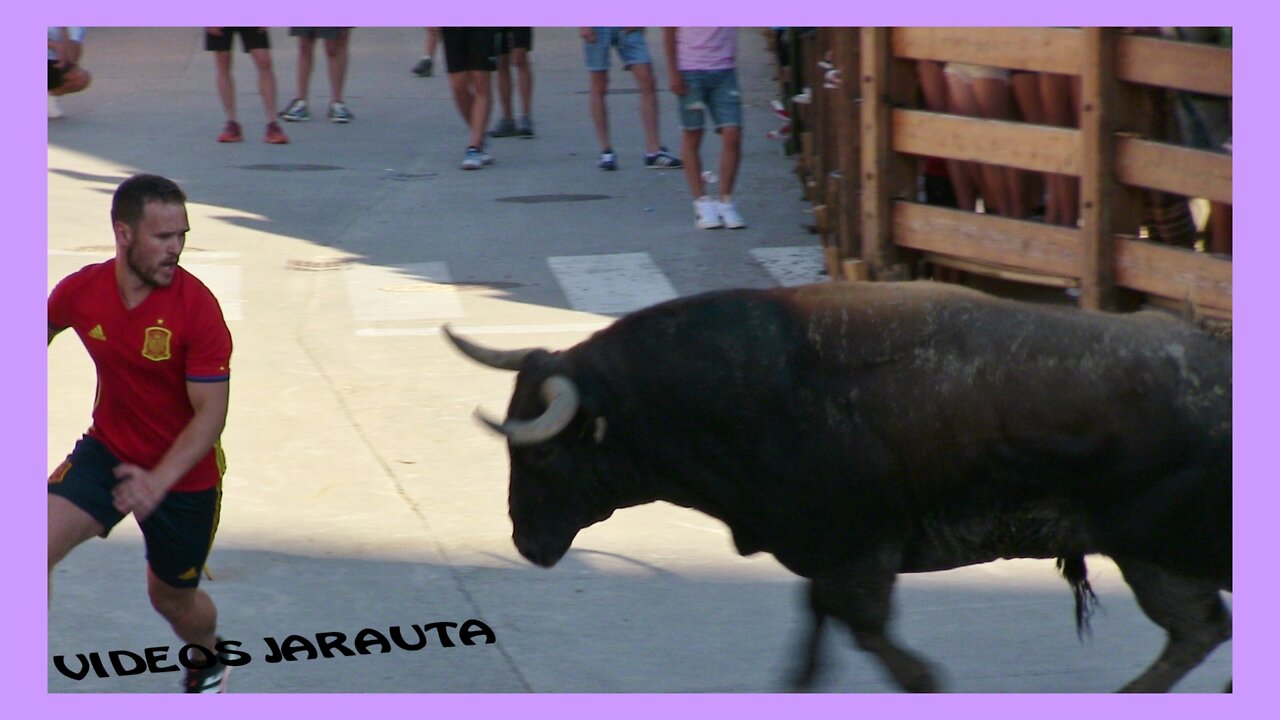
(859, 145)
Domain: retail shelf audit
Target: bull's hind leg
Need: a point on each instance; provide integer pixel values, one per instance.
(1190, 610)
(811, 651)
(864, 603)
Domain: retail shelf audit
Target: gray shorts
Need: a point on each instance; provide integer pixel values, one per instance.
(631, 46)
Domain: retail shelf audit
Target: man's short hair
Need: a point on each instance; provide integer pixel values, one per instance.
(133, 195)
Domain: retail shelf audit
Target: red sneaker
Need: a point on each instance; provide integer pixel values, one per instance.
(275, 135)
(231, 132)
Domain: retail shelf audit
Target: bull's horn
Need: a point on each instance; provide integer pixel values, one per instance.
(500, 359)
(561, 397)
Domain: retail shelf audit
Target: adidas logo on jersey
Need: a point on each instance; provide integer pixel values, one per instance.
(97, 334)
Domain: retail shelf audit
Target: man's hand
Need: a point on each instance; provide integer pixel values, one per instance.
(138, 492)
(677, 84)
(588, 34)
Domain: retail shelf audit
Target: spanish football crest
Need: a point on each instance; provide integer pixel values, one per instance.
(155, 345)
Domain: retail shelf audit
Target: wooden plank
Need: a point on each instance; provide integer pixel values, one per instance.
(876, 154)
(997, 271)
(1172, 168)
(1041, 49)
(1173, 64)
(1019, 244)
(1177, 273)
(1014, 144)
(1098, 120)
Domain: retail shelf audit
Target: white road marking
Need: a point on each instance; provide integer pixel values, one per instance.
(791, 266)
(611, 284)
(402, 293)
(224, 282)
(488, 330)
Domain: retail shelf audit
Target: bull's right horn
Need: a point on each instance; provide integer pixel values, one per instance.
(500, 359)
(561, 397)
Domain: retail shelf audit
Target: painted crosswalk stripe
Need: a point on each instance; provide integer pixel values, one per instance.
(791, 266)
(224, 282)
(402, 293)
(611, 284)
(468, 331)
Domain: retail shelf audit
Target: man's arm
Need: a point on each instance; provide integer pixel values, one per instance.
(141, 490)
(53, 332)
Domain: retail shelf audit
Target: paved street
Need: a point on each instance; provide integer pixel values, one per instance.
(361, 493)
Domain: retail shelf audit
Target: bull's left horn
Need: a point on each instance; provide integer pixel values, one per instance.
(561, 396)
(500, 359)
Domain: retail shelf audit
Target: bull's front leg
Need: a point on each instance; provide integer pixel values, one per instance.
(863, 601)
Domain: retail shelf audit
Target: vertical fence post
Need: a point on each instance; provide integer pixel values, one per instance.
(1098, 187)
(844, 51)
(876, 60)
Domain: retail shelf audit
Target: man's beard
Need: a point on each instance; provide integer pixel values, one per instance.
(148, 277)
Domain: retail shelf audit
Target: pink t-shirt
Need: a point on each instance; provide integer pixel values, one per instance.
(706, 48)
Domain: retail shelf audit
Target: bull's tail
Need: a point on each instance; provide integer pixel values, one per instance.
(1077, 576)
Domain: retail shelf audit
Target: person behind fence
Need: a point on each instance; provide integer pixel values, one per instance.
(1204, 123)
(703, 67)
(66, 46)
(163, 354)
(515, 44)
(633, 51)
(472, 56)
(337, 50)
(256, 42)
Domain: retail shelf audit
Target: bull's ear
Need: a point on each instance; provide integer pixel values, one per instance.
(599, 429)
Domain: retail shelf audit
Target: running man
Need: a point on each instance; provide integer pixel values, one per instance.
(163, 354)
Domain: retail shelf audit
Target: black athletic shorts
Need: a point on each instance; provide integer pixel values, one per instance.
(252, 38)
(470, 48)
(56, 73)
(179, 534)
(519, 38)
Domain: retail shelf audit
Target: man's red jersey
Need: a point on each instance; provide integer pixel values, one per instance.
(145, 358)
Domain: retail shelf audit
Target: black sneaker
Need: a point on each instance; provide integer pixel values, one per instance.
(662, 160)
(423, 68)
(210, 680)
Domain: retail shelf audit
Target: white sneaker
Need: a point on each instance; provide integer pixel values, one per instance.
(728, 212)
(55, 110)
(707, 212)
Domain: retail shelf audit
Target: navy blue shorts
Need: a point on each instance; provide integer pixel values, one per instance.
(251, 38)
(471, 48)
(179, 534)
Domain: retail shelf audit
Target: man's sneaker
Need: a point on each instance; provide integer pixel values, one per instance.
(707, 213)
(608, 160)
(55, 110)
(662, 160)
(297, 111)
(423, 68)
(473, 160)
(506, 127)
(525, 127)
(728, 212)
(208, 680)
(231, 132)
(275, 135)
(339, 113)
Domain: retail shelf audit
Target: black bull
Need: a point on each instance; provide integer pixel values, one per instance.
(858, 431)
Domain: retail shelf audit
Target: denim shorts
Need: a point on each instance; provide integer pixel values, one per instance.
(710, 90)
(631, 46)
